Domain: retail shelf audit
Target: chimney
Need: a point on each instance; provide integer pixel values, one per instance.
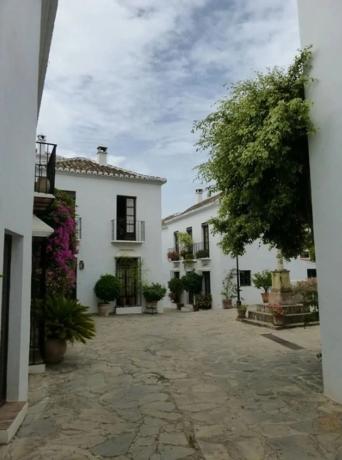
(199, 195)
(101, 155)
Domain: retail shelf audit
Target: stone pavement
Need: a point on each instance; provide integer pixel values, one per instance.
(182, 385)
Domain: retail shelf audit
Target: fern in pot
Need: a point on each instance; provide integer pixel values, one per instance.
(65, 320)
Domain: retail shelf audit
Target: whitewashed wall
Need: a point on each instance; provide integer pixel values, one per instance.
(19, 55)
(96, 205)
(320, 26)
(256, 258)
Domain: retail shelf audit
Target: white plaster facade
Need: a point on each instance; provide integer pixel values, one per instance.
(25, 37)
(96, 200)
(257, 257)
(320, 26)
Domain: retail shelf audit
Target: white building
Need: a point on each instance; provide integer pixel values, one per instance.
(320, 26)
(25, 37)
(217, 265)
(119, 214)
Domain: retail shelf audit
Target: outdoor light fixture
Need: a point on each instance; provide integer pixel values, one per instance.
(81, 265)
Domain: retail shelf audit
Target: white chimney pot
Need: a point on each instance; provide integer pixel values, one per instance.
(101, 155)
(199, 194)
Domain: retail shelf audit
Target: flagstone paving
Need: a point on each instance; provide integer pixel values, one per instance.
(182, 385)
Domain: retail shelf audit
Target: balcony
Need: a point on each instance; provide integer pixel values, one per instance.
(44, 175)
(189, 255)
(128, 231)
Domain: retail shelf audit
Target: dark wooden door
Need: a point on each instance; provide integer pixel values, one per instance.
(6, 283)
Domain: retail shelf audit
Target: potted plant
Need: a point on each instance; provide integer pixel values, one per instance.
(173, 256)
(278, 313)
(152, 294)
(192, 283)
(263, 280)
(204, 301)
(241, 310)
(176, 290)
(202, 254)
(186, 245)
(107, 289)
(65, 320)
(229, 290)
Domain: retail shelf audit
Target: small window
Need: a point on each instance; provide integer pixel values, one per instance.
(189, 231)
(312, 273)
(205, 236)
(245, 278)
(176, 241)
(176, 275)
(206, 283)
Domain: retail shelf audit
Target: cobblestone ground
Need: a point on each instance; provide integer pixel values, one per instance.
(181, 386)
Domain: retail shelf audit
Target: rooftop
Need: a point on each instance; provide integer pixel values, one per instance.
(85, 166)
(201, 204)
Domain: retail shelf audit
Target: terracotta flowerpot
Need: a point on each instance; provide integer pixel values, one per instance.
(55, 350)
(104, 309)
(264, 296)
(151, 307)
(227, 303)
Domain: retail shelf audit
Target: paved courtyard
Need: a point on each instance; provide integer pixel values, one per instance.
(182, 386)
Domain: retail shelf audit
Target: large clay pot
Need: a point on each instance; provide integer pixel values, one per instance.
(227, 303)
(104, 309)
(55, 350)
(151, 307)
(264, 296)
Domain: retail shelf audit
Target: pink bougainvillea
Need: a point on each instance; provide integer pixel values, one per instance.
(61, 247)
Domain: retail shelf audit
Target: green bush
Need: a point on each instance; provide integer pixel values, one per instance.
(192, 282)
(176, 288)
(66, 319)
(263, 280)
(203, 301)
(202, 254)
(107, 288)
(153, 292)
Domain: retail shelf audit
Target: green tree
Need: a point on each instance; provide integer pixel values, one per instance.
(258, 160)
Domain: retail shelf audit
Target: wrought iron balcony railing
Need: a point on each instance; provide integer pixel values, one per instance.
(128, 230)
(45, 168)
(195, 251)
(201, 250)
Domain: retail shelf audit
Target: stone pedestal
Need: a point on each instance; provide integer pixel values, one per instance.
(281, 291)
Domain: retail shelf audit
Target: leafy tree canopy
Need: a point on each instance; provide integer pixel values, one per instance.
(258, 160)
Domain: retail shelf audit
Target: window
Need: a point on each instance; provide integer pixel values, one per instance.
(126, 217)
(312, 273)
(176, 275)
(189, 231)
(206, 283)
(245, 278)
(176, 241)
(205, 237)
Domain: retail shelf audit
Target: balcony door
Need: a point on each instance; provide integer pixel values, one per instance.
(126, 218)
(6, 284)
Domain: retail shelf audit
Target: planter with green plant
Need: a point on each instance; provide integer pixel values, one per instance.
(204, 301)
(152, 294)
(107, 289)
(176, 290)
(263, 280)
(241, 310)
(229, 290)
(192, 283)
(65, 320)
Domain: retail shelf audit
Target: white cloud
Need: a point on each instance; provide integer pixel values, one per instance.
(135, 74)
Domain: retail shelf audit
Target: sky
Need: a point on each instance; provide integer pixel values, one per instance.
(134, 75)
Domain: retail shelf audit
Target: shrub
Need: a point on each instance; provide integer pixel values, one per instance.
(66, 319)
(107, 288)
(263, 280)
(202, 253)
(203, 301)
(173, 255)
(229, 287)
(153, 292)
(192, 283)
(176, 288)
(307, 290)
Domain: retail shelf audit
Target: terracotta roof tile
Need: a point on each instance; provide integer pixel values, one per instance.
(80, 165)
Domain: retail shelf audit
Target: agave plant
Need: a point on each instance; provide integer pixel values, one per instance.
(66, 319)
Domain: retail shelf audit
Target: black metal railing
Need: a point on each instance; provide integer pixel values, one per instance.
(201, 250)
(128, 230)
(195, 251)
(45, 167)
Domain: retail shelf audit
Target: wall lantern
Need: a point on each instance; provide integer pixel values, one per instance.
(81, 265)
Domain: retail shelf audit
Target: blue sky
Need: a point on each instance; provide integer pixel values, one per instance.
(134, 75)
